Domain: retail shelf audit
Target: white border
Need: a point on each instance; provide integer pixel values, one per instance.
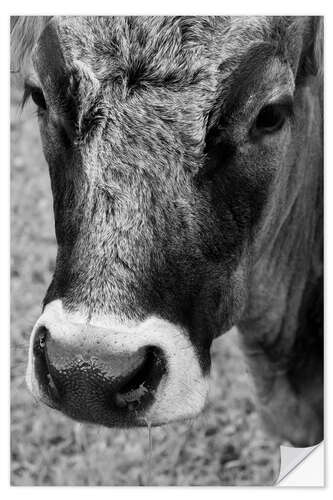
(280, 7)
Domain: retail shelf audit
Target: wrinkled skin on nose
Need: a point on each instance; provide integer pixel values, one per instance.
(91, 385)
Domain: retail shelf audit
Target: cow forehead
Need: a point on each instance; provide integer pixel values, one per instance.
(149, 32)
(192, 54)
(165, 51)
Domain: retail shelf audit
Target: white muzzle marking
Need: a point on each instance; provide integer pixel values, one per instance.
(182, 391)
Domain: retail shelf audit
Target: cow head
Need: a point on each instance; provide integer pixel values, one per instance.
(166, 140)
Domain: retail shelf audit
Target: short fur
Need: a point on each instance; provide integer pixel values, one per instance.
(166, 204)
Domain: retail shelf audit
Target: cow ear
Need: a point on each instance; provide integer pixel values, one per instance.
(311, 57)
(24, 33)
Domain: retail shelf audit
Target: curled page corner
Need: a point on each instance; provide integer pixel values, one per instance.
(291, 457)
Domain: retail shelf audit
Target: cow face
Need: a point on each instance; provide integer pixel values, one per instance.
(164, 139)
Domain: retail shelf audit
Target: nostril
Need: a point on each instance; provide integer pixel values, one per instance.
(42, 368)
(142, 384)
(41, 337)
(42, 341)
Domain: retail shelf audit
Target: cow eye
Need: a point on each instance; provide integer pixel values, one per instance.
(36, 95)
(270, 119)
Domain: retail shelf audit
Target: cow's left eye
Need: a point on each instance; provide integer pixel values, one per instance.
(270, 119)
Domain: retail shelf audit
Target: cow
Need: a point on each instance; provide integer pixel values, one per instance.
(185, 157)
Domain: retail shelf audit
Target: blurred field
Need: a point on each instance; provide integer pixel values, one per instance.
(225, 446)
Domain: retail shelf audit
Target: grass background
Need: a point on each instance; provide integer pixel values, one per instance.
(224, 446)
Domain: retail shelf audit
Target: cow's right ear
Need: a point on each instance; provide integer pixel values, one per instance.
(24, 33)
(311, 57)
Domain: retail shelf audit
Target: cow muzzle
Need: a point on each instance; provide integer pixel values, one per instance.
(110, 373)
